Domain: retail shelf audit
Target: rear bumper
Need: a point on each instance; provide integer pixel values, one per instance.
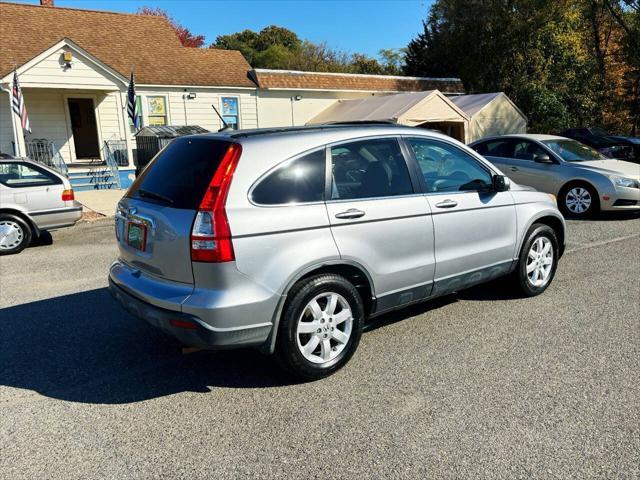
(229, 315)
(192, 330)
(57, 218)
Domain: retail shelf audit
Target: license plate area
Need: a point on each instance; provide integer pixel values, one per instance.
(136, 235)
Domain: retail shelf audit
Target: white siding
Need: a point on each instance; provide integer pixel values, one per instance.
(198, 111)
(46, 109)
(110, 118)
(6, 129)
(277, 109)
(48, 114)
(51, 72)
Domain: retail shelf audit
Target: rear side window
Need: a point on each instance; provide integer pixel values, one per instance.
(495, 148)
(180, 174)
(300, 180)
(369, 169)
(22, 175)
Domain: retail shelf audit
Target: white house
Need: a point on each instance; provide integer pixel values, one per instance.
(74, 67)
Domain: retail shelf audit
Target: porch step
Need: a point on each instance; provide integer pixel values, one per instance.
(100, 180)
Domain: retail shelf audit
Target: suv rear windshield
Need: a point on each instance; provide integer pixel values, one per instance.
(180, 174)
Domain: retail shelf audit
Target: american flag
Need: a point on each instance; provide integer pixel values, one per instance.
(132, 105)
(17, 104)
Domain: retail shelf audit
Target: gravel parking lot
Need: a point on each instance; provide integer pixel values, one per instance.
(479, 384)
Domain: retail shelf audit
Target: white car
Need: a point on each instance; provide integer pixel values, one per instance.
(33, 198)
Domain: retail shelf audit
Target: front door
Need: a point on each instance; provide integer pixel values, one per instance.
(379, 221)
(475, 226)
(84, 128)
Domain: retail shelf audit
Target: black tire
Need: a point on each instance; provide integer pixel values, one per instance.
(288, 353)
(568, 190)
(25, 234)
(519, 277)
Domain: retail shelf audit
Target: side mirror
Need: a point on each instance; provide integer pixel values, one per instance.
(542, 158)
(501, 183)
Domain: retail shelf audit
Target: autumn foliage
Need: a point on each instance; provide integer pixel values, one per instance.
(187, 38)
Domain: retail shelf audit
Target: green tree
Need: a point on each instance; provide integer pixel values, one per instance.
(555, 58)
(280, 48)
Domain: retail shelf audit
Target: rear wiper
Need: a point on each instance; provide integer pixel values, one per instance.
(157, 196)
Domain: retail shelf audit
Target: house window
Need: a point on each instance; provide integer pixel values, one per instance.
(230, 111)
(157, 108)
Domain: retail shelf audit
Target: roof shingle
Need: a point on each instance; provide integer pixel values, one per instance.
(338, 81)
(123, 42)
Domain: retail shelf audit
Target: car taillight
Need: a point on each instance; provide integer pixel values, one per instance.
(67, 195)
(210, 234)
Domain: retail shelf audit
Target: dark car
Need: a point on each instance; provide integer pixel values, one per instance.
(608, 145)
(633, 143)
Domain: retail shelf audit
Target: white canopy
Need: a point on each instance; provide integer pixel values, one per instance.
(411, 109)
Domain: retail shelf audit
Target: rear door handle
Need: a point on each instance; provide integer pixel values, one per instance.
(351, 213)
(447, 204)
(514, 169)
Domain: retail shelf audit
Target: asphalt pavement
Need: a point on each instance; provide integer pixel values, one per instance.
(474, 385)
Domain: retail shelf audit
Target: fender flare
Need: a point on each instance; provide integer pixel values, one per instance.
(542, 214)
(26, 217)
(270, 344)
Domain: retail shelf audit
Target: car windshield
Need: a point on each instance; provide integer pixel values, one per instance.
(599, 132)
(572, 151)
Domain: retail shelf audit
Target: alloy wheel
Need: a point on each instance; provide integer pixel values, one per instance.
(11, 235)
(324, 327)
(578, 200)
(540, 262)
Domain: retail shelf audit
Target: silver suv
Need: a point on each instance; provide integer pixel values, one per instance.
(288, 239)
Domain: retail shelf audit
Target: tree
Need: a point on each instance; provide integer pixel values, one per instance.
(185, 36)
(559, 60)
(392, 60)
(280, 48)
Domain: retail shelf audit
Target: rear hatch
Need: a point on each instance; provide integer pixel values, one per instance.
(154, 219)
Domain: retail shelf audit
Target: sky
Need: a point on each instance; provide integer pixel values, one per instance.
(363, 26)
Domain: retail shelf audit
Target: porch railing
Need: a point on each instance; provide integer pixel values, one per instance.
(47, 153)
(118, 148)
(114, 153)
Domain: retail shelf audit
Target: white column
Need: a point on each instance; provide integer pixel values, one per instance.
(18, 136)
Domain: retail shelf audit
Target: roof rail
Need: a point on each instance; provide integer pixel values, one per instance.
(307, 128)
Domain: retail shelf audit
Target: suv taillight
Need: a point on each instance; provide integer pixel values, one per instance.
(210, 234)
(67, 195)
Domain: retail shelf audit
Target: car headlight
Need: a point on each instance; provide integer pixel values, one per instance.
(624, 182)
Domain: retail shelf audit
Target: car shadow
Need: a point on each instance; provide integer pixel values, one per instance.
(43, 240)
(84, 348)
(609, 216)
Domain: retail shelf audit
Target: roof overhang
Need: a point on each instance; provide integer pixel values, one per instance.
(69, 44)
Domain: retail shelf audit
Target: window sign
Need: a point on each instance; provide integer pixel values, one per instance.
(157, 107)
(230, 111)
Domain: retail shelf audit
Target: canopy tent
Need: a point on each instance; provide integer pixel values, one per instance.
(491, 114)
(430, 109)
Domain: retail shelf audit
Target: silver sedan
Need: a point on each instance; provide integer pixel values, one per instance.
(32, 198)
(583, 179)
